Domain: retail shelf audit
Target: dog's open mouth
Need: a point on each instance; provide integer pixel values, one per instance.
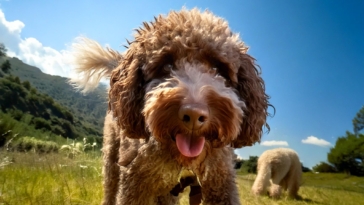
(189, 145)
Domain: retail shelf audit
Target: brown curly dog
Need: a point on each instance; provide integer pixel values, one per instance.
(181, 97)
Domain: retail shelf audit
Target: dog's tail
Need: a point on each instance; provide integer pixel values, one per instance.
(91, 63)
(262, 181)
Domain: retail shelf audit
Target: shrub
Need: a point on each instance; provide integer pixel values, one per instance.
(7, 123)
(250, 165)
(40, 123)
(6, 66)
(26, 85)
(16, 114)
(324, 167)
(26, 144)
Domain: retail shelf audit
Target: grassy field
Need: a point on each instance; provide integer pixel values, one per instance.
(56, 179)
(49, 179)
(316, 189)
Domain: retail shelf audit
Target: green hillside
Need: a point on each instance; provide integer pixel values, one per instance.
(90, 108)
(46, 107)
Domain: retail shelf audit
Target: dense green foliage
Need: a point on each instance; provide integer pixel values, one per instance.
(45, 107)
(5, 67)
(25, 104)
(348, 154)
(249, 165)
(89, 109)
(12, 129)
(358, 121)
(324, 167)
(305, 169)
(2, 50)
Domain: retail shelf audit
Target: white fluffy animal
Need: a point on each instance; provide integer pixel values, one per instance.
(280, 169)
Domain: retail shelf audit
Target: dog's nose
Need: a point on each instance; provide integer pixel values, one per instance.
(194, 116)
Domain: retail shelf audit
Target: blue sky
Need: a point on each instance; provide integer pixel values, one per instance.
(311, 54)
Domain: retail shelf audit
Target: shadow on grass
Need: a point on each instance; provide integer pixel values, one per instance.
(284, 197)
(307, 200)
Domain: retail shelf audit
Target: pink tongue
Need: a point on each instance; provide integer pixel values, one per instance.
(189, 146)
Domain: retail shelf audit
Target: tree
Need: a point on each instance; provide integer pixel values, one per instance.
(348, 154)
(238, 163)
(305, 169)
(6, 66)
(250, 165)
(324, 168)
(358, 121)
(2, 50)
(26, 85)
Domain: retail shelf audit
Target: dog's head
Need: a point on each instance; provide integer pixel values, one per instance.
(187, 79)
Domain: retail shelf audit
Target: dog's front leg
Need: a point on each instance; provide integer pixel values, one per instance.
(217, 179)
(148, 178)
(143, 188)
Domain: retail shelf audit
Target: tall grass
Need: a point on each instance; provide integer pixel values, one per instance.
(9, 127)
(49, 179)
(31, 178)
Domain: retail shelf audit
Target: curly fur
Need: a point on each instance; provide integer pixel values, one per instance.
(281, 170)
(187, 61)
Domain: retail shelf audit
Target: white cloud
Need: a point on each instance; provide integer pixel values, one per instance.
(31, 51)
(10, 32)
(316, 141)
(274, 143)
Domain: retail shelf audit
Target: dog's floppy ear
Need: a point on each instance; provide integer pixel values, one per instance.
(126, 96)
(251, 89)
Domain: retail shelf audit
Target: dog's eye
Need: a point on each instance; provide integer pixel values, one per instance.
(213, 71)
(168, 67)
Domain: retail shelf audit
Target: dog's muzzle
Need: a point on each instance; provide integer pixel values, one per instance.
(194, 116)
